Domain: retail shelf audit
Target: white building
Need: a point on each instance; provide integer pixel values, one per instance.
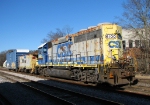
(129, 39)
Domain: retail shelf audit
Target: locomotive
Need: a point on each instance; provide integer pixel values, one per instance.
(93, 55)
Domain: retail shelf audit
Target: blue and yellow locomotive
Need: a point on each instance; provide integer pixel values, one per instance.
(92, 55)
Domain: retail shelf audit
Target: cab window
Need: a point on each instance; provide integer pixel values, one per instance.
(44, 50)
(119, 36)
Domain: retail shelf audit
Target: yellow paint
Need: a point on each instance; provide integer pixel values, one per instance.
(85, 65)
(28, 62)
(107, 51)
(13, 65)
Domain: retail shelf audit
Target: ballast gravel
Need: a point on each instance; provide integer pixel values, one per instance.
(19, 95)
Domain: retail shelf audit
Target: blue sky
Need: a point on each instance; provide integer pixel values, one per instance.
(24, 23)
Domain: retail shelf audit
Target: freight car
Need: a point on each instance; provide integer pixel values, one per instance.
(27, 63)
(92, 55)
(12, 58)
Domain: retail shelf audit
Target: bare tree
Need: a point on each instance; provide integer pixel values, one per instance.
(58, 33)
(136, 18)
(67, 29)
(2, 57)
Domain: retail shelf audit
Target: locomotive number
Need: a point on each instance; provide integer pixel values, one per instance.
(109, 36)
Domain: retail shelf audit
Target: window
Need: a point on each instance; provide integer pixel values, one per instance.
(137, 43)
(124, 44)
(95, 36)
(130, 43)
(23, 61)
(143, 43)
(88, 36)
(44, 50)
(119, 36)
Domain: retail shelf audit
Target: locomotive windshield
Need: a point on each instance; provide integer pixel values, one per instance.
(44, 50)
(119, 36)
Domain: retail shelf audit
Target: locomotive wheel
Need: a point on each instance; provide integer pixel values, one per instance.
(17, 70)
(21, 70)
(44, 72)
(47, 71)
(79, 75)
(25, 70)
(36, 71)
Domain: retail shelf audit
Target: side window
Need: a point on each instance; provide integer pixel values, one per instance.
(137, 43)
(130, 43)
(119, 36)
(143, 43)
(124, 44)
(44, 50)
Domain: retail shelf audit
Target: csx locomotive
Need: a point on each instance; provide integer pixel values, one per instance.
(92, 55)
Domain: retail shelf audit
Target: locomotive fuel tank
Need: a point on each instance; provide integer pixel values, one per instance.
(61, 73)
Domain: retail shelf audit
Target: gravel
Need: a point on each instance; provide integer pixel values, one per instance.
(19, 95)
(143, 84)
(127, 100)
(24, 76)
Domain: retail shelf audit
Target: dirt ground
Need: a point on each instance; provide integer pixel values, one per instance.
(143, 85)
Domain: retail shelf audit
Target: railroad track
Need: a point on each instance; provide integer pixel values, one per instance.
(131, 93)
(108, 89)
(122, 91)
(61, 95)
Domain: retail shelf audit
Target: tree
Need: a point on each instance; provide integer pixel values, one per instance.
(136, 18)
(58, 33)
(2, 57)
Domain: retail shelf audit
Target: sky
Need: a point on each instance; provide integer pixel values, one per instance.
(24, 23)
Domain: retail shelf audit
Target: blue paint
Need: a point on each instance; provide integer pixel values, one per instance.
(43, 54)
(78, 60)
(65, 55)
(114, 44)
(63, 49)
(13, 57)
